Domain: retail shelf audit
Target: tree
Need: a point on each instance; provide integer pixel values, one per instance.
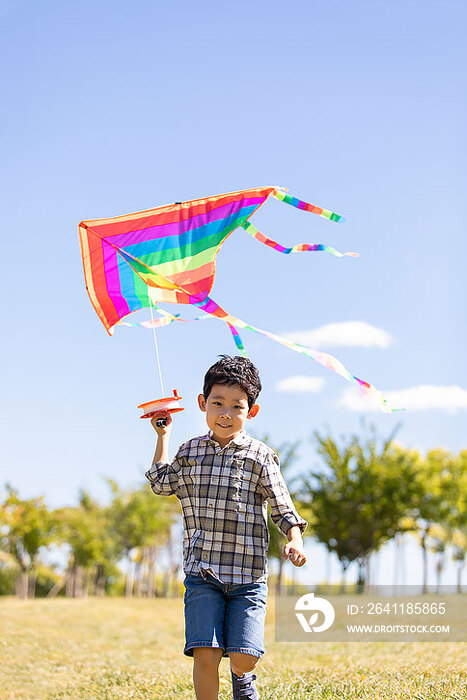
(140, 524)
(441, 487)
(27, 526)
(87, 530)
(358, 501)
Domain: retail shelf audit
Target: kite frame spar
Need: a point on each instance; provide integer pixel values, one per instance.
(91, 271)
(186, 280)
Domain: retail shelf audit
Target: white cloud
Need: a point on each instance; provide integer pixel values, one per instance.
(417, 398)
(348, 333)
(301, 384)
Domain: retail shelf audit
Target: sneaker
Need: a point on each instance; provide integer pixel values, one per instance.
(244, 687)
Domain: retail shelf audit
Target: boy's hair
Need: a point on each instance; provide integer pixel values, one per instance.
(234, 370)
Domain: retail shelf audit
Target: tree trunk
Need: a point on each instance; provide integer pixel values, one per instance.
(403, 563)
(84, 589)
(95, 579)
(151, 564)
(165, 584)
(344, 571)
(78, 582)
(32, 585)
(138, 575)
(174, 590)
(280, 575)
(439, 568)
(21, 585)
(99, 581)
(101, 584)
(174, 565)
(397, 558)
(327, 572)
(425, 561)
(460, 566)
(368, 571)
(361, 575)
(129, 579)
(70, 581)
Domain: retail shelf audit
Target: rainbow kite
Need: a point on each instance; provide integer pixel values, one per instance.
(168, 255)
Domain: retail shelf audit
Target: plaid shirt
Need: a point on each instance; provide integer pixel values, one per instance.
(223, 494)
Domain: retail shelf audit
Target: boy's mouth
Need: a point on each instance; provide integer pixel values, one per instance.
(223, 426)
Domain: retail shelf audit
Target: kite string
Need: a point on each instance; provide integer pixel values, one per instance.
(157, 348)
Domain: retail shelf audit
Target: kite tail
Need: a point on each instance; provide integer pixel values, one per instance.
(237, 339)
(329, 361)
(299, 248)
(299, 204)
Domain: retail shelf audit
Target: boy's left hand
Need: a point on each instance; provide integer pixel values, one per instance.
(294, 552)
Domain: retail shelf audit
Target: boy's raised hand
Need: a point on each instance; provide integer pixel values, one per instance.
(162, 430)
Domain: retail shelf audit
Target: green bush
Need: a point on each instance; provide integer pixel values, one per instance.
(46, 578)
(7, 579)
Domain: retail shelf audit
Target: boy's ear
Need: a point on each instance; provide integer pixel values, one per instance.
(253, 411)
(202, 402)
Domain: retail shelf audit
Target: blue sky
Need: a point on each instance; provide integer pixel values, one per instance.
(114, 107)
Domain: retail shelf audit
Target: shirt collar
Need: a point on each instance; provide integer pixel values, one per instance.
(239, 440)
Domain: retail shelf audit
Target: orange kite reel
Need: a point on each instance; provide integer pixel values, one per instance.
(169, 403)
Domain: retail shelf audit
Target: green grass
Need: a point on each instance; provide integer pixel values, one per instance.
(114, 648)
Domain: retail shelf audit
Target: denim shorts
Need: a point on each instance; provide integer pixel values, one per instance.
(224, 616)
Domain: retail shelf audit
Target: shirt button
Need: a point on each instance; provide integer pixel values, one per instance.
(205, 557)
(210, 505)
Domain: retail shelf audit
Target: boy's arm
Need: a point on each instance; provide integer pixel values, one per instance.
(163, 476)
(293, 550)
(283, 512)
(163, 438)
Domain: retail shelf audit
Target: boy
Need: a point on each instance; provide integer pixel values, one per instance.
(223, 480)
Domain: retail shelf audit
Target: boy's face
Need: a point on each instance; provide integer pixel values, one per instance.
(226, 410)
